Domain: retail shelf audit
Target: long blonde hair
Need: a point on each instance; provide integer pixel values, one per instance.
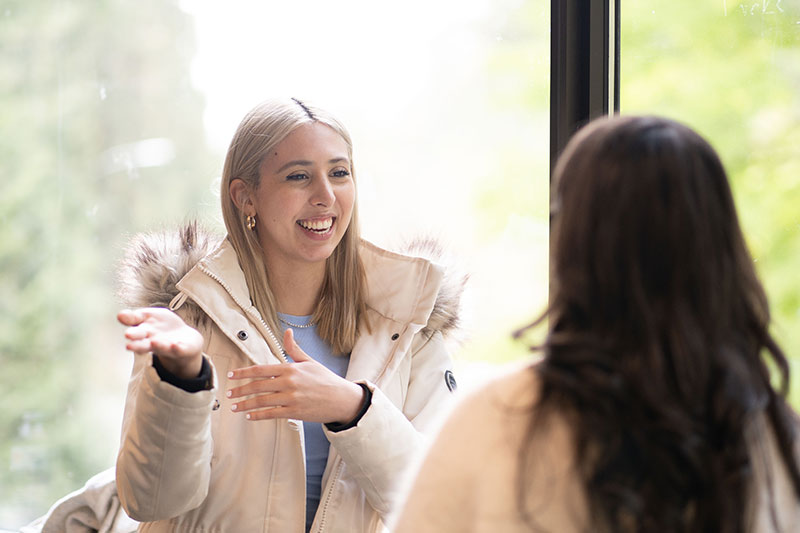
(342, 295)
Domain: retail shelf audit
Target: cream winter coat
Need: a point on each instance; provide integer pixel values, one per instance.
(187, 463)
(468, 481)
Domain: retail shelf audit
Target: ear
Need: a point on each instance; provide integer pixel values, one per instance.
(241, 196)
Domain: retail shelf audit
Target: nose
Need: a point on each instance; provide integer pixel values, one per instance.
(322, 194)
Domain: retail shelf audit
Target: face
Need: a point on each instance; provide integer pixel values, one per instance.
(304, 200)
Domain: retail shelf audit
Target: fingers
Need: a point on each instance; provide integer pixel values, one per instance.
(262, 401)
(170, 348)
(129, 317)
(159, 330)
(143, 344)
(143, 338)
(292, 348)
(263, 386)
(136, 333)
(134, 317)
(258, 371)
(139, 347)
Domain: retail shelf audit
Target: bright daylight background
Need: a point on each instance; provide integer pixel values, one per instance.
(115, 120)
(115, 116)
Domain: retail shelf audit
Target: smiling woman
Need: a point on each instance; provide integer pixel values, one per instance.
(369, 373)
(116, 121)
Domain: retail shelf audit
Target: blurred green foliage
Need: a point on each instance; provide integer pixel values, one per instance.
(728, 69)
(731, 71)
(101, 134)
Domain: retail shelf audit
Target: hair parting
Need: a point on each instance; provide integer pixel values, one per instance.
(305, 108)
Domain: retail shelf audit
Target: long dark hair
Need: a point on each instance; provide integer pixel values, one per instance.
(658, 332)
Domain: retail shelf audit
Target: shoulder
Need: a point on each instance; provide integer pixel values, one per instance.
(467, 480)
(506, 399)
(502, 416)
(418, 277)
(773, 496)
(490, 420)
(499, 437)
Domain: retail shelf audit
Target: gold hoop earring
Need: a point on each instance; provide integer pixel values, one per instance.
(250, 222)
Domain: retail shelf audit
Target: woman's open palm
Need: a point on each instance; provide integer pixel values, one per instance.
(161, 331)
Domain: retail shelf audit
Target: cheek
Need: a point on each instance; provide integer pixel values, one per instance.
(347, 199)
(278, 207)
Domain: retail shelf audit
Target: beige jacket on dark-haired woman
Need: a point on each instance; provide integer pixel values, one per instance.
(469, 480)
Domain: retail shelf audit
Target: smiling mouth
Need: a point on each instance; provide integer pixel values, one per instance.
(319, 225)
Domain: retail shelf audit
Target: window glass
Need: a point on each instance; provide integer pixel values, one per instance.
(116, 118)
(730, 70)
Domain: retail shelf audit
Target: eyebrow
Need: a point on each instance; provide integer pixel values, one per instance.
(307, 163)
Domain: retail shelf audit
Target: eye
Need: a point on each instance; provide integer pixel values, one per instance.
(340, 173)
(297, 176)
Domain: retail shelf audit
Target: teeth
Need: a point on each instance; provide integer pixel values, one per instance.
(317, 225)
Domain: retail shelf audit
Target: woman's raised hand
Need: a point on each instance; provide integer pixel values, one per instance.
(158, 330)
(304, 390)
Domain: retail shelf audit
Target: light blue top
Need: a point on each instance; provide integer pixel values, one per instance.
(316, 444)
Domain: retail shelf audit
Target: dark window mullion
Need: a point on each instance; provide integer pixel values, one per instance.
(584, 66)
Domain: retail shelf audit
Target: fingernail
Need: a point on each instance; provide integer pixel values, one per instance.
(247, 416)
(234, 407)
(230, 374)
(229, 394)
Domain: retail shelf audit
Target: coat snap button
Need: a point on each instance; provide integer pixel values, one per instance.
(242, 335)
(395, 336)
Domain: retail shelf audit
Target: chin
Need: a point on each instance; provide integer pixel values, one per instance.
(319, 256)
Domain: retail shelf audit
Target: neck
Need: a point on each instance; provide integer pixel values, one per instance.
(296, 287)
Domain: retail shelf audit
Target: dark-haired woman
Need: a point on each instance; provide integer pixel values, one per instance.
(653, 408)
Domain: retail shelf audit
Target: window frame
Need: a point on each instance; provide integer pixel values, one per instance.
(584, 66)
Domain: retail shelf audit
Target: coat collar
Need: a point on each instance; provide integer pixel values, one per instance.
(400, 288)
(221, 265)
(406, 288)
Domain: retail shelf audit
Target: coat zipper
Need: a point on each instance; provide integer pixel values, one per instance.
(337, 473)
(275, 346)
(331, 484)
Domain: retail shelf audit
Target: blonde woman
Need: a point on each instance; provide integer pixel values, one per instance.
(282, 375)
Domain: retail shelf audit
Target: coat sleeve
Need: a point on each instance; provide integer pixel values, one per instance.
(164, 461)
(387, 440)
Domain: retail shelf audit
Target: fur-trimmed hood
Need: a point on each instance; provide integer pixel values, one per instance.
(155, 262)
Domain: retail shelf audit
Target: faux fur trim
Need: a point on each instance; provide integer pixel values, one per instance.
(155, 262)
(446, 314)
